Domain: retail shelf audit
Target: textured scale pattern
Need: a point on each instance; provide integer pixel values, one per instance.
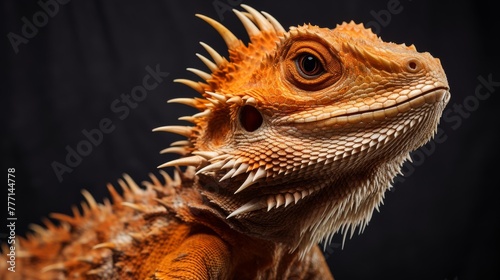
(298, 136)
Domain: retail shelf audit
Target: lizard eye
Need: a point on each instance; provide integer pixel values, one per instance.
(309, 66)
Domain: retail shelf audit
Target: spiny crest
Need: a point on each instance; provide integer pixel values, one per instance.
(99, 222)
(264, 32)
(357, 31)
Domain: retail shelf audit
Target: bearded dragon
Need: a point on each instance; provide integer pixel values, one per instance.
(299, 134)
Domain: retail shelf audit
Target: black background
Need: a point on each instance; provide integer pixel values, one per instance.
(440, 221)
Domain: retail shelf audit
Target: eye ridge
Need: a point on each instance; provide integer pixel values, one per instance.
(309, 66)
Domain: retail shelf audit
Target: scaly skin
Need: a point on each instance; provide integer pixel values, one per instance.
(298, 137)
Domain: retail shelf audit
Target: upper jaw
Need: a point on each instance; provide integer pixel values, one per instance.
(362, 111)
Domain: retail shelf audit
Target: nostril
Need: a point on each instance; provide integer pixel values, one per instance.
(413, 65)
(250, 118)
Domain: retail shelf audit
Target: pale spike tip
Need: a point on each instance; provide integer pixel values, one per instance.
(185, 161)
(250, 206)
(232, 41)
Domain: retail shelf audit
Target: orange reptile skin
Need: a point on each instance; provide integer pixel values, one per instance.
(299, 135)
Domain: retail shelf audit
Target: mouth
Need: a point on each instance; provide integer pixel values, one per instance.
(275, 201)
(406, 101)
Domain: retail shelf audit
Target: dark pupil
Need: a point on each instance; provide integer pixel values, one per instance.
(309, 65)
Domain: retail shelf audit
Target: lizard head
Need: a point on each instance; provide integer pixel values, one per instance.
(301, 132)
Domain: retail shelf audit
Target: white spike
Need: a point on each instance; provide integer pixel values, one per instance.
(353, 230)
(177, 129)
(304, 193)
(41, 230)
(202, 74)
(238, 161)
(206, 154)
(250, 27)
(212, 66)
(218, 59)
(276, 24)
(202, 114)
(344, 234)
(220, 157)
(186, 161)
(249, 16)
(250, 101)
(90, 199)
(235, 100)
(137, 207)
(240, 170)
(248, 182)
(271, 202)
(250, 206)
(362, 227)
(280, 200)
(296, 196)
(177, 177)
(131, 183)
(175, 150)
(229, 164)
(409, 158)
(192, 84)
(288, 199)
(261, 173)
(329, 237)
(212, 167)
(228, 175)
(217, 96)
(213, 101)
(180, 143)
(186, 101)
(211, 104)
(231, 41)
(190, 119)
(258, 18)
